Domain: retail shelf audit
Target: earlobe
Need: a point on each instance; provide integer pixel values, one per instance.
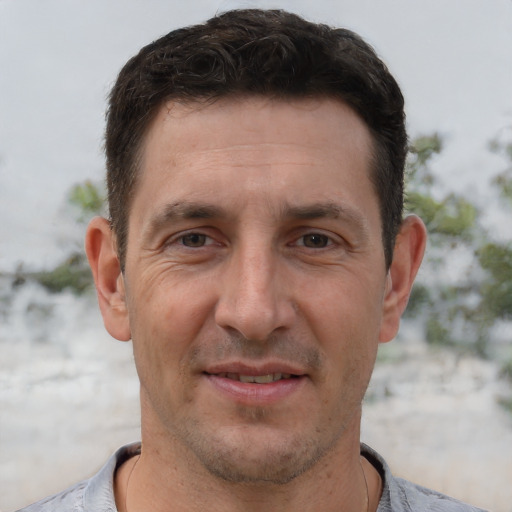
(407, 256)
(108, 278)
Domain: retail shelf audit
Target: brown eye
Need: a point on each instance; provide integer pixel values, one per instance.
(193, 240)
(315, 241)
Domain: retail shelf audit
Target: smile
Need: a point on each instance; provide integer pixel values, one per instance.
(260, 388)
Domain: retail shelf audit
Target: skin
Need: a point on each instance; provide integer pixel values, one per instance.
(254, 248)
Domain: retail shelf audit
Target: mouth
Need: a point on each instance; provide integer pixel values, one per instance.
(250, 386)
(255, 379)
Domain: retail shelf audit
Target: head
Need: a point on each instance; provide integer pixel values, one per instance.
(243, 53)
(255, 180)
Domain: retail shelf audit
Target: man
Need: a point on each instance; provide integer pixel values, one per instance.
(256, 255)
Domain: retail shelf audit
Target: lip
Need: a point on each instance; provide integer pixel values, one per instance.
(253, 394)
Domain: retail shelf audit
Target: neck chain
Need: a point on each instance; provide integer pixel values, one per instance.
(365, 508)
(128, 484)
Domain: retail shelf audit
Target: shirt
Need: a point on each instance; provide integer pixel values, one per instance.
(97, 493)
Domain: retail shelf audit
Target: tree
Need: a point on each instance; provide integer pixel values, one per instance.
(457, 311)
(72, 273)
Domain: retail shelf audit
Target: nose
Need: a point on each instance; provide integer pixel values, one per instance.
(255, 295)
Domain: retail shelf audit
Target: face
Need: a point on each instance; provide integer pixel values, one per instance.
(255, 283)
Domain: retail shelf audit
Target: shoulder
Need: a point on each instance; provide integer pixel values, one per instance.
(68, 500)
(399, 495)
(420, 498)
(93, 495)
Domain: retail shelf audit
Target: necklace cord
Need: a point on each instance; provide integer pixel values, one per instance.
(128, 485)
(367, 508)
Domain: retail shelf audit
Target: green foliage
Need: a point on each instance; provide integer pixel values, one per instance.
(504, 180)
(88, 199)
(458, 314)
(72, 274)
(419, 299)
(497, 289)
(436, 333)
(452, 216)
(504, 183)
(420, 153)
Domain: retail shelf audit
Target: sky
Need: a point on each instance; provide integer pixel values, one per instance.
(59, 58)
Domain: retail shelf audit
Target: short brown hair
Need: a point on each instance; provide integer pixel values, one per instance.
(256, 52)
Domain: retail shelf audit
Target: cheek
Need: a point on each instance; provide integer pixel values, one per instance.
(349, 309)
(346, 322)
(165, 320)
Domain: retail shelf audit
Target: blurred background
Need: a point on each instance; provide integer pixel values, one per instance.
(439, 408)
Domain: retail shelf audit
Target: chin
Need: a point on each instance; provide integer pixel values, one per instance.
(274, 468)
(258, 459)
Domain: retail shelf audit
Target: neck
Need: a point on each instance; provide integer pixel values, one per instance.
(167, 478)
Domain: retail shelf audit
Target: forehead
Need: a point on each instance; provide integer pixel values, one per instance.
(257, 117)
(243, 149)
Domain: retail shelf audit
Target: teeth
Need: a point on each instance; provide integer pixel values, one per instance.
(256, 379)
(264, 379)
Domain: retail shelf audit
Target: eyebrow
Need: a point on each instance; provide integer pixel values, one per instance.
(190, 210)
(316, 211)
(329, 210)
(182, 210)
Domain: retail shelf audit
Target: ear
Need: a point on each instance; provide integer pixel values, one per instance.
(106, 270)
(409, 248)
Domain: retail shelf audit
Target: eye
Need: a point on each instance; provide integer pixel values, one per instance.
(194, 240)
(314, 241)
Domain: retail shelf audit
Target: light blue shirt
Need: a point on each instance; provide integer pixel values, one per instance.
(97, 493)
